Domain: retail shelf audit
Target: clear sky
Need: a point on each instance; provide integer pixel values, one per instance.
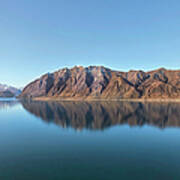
(39, 36)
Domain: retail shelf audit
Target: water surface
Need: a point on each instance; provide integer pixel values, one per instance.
(98, 140)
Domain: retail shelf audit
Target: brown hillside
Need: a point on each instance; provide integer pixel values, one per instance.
(97, 82)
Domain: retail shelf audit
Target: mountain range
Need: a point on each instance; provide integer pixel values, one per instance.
(9, 91)
(98, 82)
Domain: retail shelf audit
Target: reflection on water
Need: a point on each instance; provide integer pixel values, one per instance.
(7, 103)
(32, 150)
(100, 115)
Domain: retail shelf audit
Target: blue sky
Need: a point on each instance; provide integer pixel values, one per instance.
(40, 36)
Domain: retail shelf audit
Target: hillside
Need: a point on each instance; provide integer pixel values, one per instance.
(97, 82)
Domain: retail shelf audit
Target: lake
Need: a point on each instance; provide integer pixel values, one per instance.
(89, 141)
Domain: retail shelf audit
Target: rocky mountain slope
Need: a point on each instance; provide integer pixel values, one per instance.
(97, 82)
(9, 91)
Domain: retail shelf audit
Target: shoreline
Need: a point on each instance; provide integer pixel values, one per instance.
(96, 100)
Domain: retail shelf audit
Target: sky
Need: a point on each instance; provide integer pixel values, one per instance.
(40, 36)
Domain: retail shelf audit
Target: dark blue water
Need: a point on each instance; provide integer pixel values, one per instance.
(98, 140)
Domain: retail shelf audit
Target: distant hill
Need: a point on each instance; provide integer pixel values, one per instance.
(97, 82)
(9, 91)
(6, 93)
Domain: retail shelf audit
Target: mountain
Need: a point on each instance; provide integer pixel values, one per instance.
(98, 82)
(9, 91)
(6, 93)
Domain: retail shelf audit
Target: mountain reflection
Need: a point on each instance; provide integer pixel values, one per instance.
(100, 115)
(6, 104)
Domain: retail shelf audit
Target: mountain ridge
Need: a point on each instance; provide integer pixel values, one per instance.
(9, 91)
(99, 82)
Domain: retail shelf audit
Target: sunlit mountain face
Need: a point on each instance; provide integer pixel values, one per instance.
(98, 82)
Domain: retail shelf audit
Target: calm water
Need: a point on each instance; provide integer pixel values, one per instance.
(89, 141)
